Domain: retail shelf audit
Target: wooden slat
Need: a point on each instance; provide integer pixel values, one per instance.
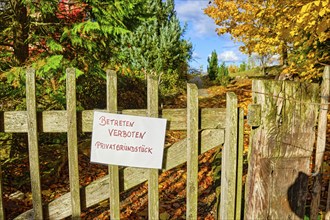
(15, 122)
(176, 118)
(113, 169)
(239, 182)
(320, 143)
(55, 120)
(229, 160)
(72, 141)
(33, 143)
(135, 112)
(327, 209)
(192, 151)
(213, 118)
(2, 211)
(98, 190)
(153, 201)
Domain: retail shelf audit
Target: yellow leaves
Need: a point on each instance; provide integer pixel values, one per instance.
(323, 37)
(265, 27)
(292, 33)
(317, 3)
(322, 12)
(306, 8)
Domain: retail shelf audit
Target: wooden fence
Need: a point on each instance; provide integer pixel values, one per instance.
(205, 130)
(283, 117)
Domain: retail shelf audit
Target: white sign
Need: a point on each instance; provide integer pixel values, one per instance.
(128, 140)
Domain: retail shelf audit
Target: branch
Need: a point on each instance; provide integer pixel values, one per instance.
(6, 44)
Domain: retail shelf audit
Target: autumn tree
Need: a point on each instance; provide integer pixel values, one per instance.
(212, 67)
(297, 30)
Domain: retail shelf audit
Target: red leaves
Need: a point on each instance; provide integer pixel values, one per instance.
(71, 11)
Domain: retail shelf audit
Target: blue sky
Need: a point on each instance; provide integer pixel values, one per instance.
(201, 33)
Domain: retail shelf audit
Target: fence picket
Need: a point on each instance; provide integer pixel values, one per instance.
(192, 151)
(33, 143)
(153, 201)
(240, 146)
(72, 142)
(2, 212)
(113, 169)
(229, 160)
(320, 143)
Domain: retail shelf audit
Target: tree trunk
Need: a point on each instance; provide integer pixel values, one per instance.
(21, 32)
(284, 55)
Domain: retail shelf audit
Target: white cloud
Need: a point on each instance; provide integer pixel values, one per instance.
(196, 56)
(228, 56)
(192, 12)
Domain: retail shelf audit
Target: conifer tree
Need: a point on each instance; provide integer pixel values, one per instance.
(156, 46)
(212, 67)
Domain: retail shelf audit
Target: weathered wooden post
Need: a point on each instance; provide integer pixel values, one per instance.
(281, 148)
(71, 108)
(153, 197)
(239, 171)
(192, 151)
(320, 143)
(113, 169)
(31, 108)
(2, 212)
(229, 160)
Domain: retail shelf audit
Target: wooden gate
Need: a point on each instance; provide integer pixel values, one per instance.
(205, 130)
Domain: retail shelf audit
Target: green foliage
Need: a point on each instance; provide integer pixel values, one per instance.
(99, 36)
(223, 74)
(156, 47)
(242, 67)
(212, 67)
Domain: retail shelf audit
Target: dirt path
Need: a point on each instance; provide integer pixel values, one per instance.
(202, 92)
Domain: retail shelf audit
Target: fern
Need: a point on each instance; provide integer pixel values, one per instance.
(54, 46)
(52, 63)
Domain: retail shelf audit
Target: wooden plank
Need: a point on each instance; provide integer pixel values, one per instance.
(281, 149)
(176, 118)
(31, 108)
(240, 149)
(229, 160)
(55, 120)
(2, 211)
(98, 190)
(135, 112)
(113, 169)
(192, 151)
(213, 118)
(320, 143)
(15, 122)
(153, 197)
(72, 141)
(327, 209)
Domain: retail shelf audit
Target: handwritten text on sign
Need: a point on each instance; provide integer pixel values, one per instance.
(128, 140)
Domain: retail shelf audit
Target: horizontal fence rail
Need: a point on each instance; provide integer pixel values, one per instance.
(56, 120)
